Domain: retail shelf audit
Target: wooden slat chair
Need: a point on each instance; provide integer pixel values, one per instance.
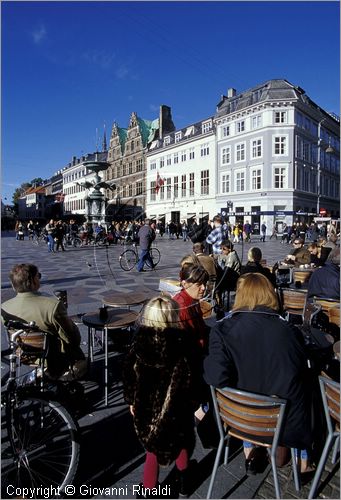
(251, 417)
(301, 276)
(334, 315)
(330, 392)
(326, 304)
(293, 302)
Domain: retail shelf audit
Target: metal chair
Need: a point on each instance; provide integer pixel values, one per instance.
(251, 417)
(330, 392)
(293, 302)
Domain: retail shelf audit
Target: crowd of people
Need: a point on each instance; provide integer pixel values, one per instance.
(175, 356)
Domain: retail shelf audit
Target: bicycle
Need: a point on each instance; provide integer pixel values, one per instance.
(39, 438)
(38, 239)
(129, 258)
(72, 240)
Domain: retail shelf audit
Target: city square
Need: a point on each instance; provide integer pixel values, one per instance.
(170, 266)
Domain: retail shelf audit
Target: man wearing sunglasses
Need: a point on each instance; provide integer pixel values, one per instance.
(65, 359)
(298, 255)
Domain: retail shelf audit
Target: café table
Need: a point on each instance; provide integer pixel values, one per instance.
(117, 319)
(124, 299)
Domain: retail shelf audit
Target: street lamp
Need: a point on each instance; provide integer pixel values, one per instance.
(328, 150)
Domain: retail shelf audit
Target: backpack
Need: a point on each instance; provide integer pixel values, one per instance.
(198, 234)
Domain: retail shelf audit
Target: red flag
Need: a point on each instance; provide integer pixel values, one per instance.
(159, 182)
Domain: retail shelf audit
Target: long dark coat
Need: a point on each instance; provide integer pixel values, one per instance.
(258, 351)
(160, 379)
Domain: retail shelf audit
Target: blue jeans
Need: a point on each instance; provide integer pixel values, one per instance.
(184, 235)
(144, 257)
(50, 243)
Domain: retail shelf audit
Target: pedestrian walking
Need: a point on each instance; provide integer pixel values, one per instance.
(263, 232)
(50, 227)
(274, 233)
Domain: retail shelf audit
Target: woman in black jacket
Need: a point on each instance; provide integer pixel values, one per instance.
(161, 379)
(255, 349)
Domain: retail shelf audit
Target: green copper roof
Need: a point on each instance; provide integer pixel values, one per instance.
(147, 129)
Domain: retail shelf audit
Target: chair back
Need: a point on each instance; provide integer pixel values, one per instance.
(330, 392)
(334, 316)
(326, 304)
(293, 301)
(31, 346)
(254, 417)
(302, 276)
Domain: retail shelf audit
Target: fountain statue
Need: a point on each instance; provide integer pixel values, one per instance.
(96, 202)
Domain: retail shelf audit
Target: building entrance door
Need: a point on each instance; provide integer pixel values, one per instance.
(175, 217)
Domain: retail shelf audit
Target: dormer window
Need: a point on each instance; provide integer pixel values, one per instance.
(178, 136)
(189, 131)
(206, 127)
(166, 141)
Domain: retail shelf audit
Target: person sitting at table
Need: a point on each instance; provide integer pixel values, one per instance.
(253, 265)
(254, 349)
(193, 280)
(160, 385)
(325, 281)
(199, 258)
(228, 269)
(298, 255)
(314, 251)
(65, 358)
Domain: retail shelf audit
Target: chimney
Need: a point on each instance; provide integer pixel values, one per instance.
(165, 120)
(231, 92)
(74, 160)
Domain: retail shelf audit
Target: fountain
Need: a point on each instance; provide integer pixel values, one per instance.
(96, 202)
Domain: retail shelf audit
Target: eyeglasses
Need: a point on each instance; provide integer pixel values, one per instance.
(39, 275)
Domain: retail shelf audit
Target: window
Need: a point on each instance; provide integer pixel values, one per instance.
(256, 121)
(176, 187)
(205, 150)
(162, 162)
(206, 127)
(240, 151)
(240, 181)
(183, 155)
(256, 179)
(191, 154)
(226, 155)
(162, 192)
(183, 186)
(130, 190)
(205, 182)
(225, 132)
(166, 141)
(152, 191)
(280, 145)
(169, 188)
(240, 126)
(191, 184)
(280, 177)
(139, 188)
(256, 148)
(176, 158)
(177, 137)
(139, 165)
(169, 160)
(189, 131)
(225, 183)
(130, 167)
(280, 117)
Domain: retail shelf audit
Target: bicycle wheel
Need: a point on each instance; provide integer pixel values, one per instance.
(39, 447)
(77, 242)
(128, 260)
(155, 255)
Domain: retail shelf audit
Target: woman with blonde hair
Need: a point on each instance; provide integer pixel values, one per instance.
(254, 349)
(160, 380)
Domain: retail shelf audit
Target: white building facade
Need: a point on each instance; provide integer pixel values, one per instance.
(273, 160)
(185, 160)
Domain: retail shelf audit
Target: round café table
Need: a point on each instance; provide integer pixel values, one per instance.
(124, 299)
(117, 319)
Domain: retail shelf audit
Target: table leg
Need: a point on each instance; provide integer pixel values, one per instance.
(106, 366)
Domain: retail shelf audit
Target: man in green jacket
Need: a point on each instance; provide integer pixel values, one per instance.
(65, 358)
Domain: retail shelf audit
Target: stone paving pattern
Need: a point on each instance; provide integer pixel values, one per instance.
(111, 456)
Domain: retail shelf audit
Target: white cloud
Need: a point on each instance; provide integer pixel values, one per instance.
(99, 58)
(122, 72)
(39, 34)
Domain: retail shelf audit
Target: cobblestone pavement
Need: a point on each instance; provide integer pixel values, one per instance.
(111, 456)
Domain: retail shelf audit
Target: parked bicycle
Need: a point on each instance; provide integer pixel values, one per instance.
(129, 258)
(39, 239)
(39, 437)
(72, 240)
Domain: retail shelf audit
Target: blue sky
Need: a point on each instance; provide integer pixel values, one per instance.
(70, 67)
